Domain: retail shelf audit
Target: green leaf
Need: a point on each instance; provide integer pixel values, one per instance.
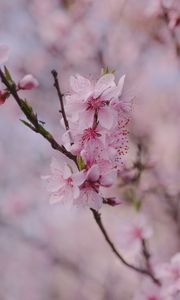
(27, 124)
(26, 107)
(7, 75)
(80, 163)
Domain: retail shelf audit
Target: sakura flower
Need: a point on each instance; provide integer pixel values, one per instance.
(134, 232)
(82, 138)
(28, 82)
(89, 194)
(90, 190)
(169, 274)
(62, 183)
(4, 53)
(91, 101)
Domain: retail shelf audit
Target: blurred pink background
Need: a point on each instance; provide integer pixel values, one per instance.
(51, 252)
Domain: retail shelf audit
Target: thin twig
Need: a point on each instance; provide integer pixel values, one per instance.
(97, 217)
(32, 117)
(146, 255)
(60, 96)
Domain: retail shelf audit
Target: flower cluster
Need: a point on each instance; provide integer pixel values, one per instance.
(97, 116)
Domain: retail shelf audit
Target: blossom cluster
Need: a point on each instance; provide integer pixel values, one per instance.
(97, 114)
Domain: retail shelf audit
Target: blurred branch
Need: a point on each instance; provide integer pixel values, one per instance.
(97, 217)
(146, 255)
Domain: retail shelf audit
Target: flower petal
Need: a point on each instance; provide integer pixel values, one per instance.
(107, 117)
(104, 83)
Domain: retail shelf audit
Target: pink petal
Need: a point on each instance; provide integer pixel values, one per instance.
(54, 183)
(79, 178)
(104, 83)
(75, 191)
(56, 197)
(121, 85)
(89, 198)
(80, 84)
(94, 200)
(106, 117)
(28, 82)
(108, 179)
(93, 173)
(67, 172)
(115, 92)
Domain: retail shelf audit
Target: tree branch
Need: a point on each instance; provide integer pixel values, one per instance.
(97, 217)
(32, 117)
(62, 109)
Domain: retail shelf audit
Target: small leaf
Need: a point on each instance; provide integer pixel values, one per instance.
(7, 75)
(80, 163)
(26, 106)
(27, 124)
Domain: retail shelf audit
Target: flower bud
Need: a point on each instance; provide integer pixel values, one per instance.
(3, 96)
(28, 82)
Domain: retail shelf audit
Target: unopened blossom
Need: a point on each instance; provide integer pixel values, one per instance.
(133, 232)
(28, 82)
(3, 96)
(169, 275)
(4, 53)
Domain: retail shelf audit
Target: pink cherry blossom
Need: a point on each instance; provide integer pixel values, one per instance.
(134, 231)
(4, 53)
(89, 192)
(28, 82)
(89, 98)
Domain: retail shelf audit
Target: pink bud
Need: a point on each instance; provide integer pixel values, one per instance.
(3, 96)
(28, 82)
(4, 53)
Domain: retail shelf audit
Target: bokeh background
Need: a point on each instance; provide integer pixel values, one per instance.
(51, 252)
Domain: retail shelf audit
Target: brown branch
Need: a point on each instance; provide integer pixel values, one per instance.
(60, 96)
(97, 217)
(146, 255)
(32, 117)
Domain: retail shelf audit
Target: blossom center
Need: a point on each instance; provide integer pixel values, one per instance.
(95, 103)
(89, 133)
(68, 181)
